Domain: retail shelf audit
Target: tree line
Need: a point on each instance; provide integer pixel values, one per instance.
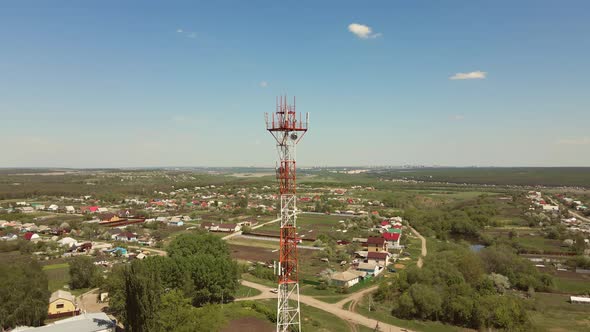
(174, 293)
(460, 287)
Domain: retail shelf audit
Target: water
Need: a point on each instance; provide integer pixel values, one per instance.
(476, 247)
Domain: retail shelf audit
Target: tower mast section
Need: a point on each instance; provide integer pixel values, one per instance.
(287, 127)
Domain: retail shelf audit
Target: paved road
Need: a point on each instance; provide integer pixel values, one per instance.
(333, 308)
(424, 251)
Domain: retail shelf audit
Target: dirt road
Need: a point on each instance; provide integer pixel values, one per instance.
(356, 296)
(88, 302)
(227, 237)
(333, 308)
(424, 251)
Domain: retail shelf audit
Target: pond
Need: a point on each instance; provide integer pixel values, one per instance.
(476, 247)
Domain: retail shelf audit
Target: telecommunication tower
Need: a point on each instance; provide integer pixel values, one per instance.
(287, 127)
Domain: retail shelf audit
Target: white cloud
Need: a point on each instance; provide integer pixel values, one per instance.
(458, 117)
(575, 141)
(362, 31)
(469, 76)
(188, 34)
(263, 84)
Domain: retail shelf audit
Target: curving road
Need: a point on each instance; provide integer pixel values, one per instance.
(333, 308)
(424, 251)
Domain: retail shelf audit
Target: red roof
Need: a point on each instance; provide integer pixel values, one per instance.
(377, 255)
(375, 240)
(29, 235)
(391, 236)
(384, 223)
(93, 208)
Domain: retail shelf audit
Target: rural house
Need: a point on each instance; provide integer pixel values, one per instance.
(62, 304)
(380, 258)
(347, 278)
(376, 244)
(125, 237)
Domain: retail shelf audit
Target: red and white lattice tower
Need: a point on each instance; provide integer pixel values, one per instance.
(287, 127)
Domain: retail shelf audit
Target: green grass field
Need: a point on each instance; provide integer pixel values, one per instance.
(571, 286)
(58, 275)
(554, 313)
(307, 222)
(539, 243)
(312, 319)
(245, 291)
(549, 176)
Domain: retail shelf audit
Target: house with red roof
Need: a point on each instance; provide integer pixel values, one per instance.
(376, 244)
(30, 236)
(381, 258)
(88, 209)
(393, 236)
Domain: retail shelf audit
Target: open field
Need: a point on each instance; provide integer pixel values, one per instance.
(253, 254)
(555, 314)
(530, 176)
(57, 275)
(245, 291)
(309, 226)
(570, 282)
(239, 315)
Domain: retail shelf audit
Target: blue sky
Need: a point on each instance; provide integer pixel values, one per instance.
(186, 83)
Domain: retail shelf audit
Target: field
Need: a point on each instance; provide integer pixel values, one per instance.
(241, 318)
(571, 282)
(309, 226)
(526, 176)
(253, 254)
(553, 313)
(57, 275)
(245, 291)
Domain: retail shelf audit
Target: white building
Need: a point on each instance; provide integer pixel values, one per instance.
(347, 278)
(579, 299)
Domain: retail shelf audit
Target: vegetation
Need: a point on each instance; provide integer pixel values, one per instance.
(456, 286)
(24, 294)
(198, 272)
(83, 273)
(548, 176)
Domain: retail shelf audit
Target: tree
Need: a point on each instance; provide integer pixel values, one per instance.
(242, 202)
(83, 273)
(176, 314)
(190, 244)
(142, 298)
(500, 282)
(419, 301)
(24, 294)
(502, 312)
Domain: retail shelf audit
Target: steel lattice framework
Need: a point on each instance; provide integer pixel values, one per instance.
(287, 130)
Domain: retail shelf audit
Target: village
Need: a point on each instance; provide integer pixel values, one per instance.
(350, 237)
(363, 245)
